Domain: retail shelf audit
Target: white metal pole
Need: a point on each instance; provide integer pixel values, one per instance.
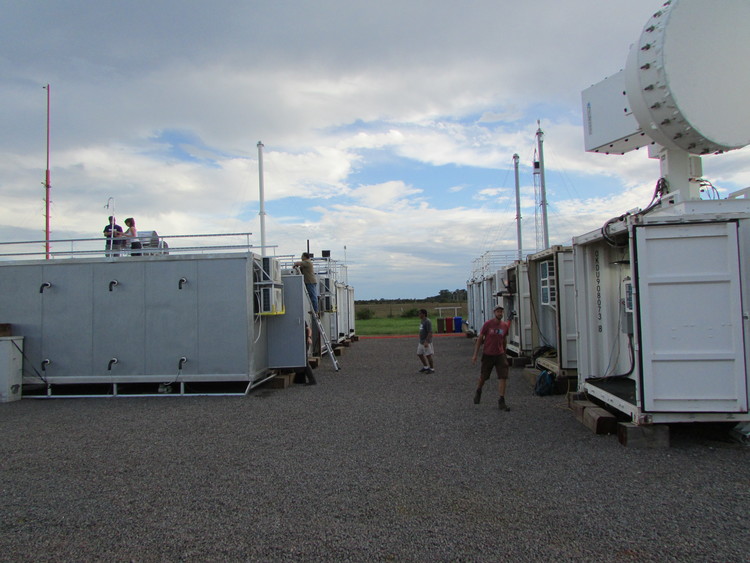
(262, 211)
(111, 209)
(518, 208)
(47, 186)
(542, 187)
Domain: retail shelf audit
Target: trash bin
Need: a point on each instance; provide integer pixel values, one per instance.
(441, 325)
(448, 324)
(11, 368)
(458, 324)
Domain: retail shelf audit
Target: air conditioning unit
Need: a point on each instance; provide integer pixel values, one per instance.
(547, 282)
(271, 300)
(271, 269)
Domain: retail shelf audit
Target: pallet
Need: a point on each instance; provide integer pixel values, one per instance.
(594, 417)
(280, 381)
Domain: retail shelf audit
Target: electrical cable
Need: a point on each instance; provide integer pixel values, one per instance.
(630, 371)
(706, 185)
(660, 190)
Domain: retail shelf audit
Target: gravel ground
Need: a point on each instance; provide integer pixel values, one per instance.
(376, 463)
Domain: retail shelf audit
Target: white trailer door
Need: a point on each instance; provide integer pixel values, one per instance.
(566, 297)
(691, 323)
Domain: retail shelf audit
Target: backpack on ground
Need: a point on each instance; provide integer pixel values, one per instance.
(545, 383)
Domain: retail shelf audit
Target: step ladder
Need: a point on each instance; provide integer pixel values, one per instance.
(326, 347)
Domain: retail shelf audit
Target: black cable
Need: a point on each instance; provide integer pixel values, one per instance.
(619, 375)
(661, 188)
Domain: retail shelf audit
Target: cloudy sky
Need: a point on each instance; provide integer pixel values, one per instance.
(389, 127)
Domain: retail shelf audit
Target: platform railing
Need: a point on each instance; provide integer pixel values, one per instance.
(153, 245)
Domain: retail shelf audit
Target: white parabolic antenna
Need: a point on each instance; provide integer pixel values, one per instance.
(688, 76)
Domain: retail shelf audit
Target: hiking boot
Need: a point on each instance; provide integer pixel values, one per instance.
(477, 396)
(502, 406)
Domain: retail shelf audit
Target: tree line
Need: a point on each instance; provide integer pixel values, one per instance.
(444, 296)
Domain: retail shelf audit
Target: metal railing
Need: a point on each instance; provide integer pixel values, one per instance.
(492, 261)
(152, 245)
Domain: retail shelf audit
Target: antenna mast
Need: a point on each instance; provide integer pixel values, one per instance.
(542, 187)
(518, 208)
(262, 211)
(47, 186)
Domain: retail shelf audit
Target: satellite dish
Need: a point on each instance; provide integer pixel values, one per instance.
(688, 76)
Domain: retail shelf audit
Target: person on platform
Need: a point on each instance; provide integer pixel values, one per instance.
(114, 235)
(132, 235)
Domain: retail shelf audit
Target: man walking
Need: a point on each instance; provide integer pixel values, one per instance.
(424, 349)
(493, 335)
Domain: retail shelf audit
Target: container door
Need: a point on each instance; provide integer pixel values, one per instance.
(171, 297)
(691, 325)
(67, 319)
(287, 340)
(118, 318)
(567, 333)
(524, 309)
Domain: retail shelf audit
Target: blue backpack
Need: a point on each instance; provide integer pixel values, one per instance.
(545, 383)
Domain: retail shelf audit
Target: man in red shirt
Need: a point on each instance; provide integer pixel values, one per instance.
(493, 335)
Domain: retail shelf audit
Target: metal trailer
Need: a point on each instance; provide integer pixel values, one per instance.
(335, 296)
(345, 314)
(485, 286)
(662, 313)
(552, 304)
(156, 323)
(475, 312)
(516, 299)
(482, 298)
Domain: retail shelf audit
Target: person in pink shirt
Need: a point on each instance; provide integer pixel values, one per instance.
(494, 336)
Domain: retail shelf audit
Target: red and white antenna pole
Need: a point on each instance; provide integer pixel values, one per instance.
(47, 185)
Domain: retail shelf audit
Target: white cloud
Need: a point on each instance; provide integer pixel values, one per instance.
(331, 88)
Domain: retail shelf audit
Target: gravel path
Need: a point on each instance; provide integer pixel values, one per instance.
(376, 463)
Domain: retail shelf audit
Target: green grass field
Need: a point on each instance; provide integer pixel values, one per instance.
(384, 325)
(434, 309)
(387, 327)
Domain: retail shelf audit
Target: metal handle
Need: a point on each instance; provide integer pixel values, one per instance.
(111, 363)
(44, 286)
(112, 284)
(183, 281)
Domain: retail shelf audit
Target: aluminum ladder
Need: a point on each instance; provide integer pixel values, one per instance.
(326, 348)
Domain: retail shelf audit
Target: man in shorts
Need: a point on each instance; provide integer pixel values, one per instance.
(493, 335)
(424, 348)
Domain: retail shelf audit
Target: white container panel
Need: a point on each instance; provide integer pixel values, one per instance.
(67, 324)
(21, 306)
(567, 333)
(692, 338)
(171, 317)
(226, 319)
(118, 320)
